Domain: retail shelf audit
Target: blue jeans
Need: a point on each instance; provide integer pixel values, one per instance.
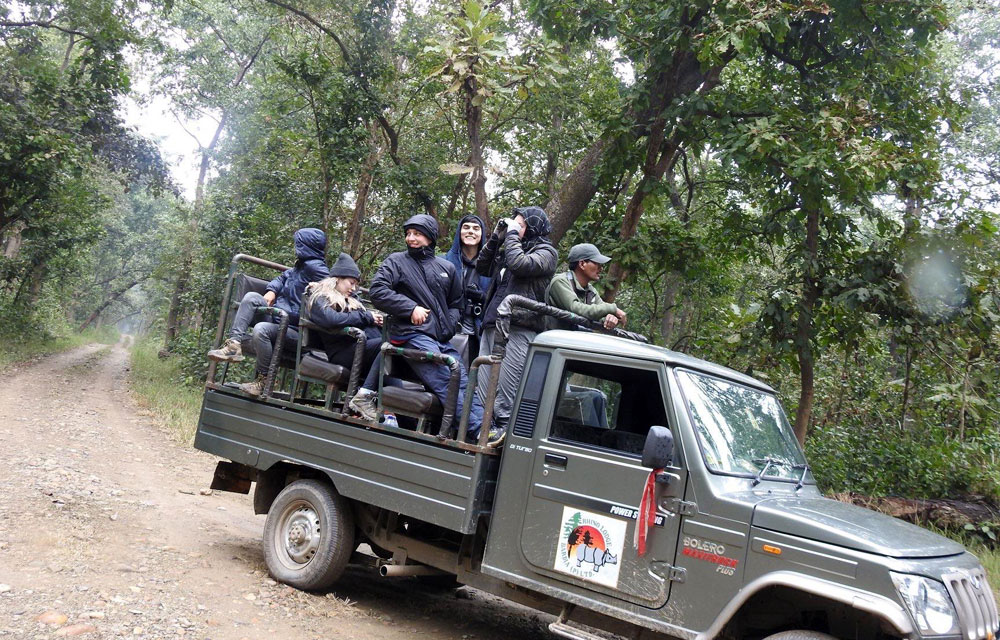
(433, 376)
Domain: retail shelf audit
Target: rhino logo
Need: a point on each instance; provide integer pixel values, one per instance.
(595, 556)
(590, 546)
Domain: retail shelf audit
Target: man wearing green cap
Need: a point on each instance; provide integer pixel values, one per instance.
(574, 291)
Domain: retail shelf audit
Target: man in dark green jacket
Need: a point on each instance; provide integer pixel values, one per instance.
(574, 291)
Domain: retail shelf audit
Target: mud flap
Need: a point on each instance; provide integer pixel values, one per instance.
(232, 476)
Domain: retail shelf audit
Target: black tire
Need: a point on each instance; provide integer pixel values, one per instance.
(800, 634)
(309, 535)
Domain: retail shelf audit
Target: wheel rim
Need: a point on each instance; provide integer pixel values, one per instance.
(297, 536)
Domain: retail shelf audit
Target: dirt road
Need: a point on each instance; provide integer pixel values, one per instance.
(106, 531)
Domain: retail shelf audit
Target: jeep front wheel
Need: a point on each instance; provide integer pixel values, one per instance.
(309, 535)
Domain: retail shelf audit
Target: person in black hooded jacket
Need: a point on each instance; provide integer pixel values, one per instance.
(469, 241)
(284, 292)
(521, 260)
(423, 296)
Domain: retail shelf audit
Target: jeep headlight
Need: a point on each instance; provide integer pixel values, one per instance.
(929, 604)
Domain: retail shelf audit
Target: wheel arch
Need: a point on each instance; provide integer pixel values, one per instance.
(890, 615)
(272, 480)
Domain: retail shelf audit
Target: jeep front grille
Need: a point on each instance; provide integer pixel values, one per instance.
(974, 601)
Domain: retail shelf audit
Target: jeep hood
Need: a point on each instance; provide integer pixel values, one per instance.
(846, 525)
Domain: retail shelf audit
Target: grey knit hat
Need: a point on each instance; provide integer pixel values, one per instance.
(345, 267)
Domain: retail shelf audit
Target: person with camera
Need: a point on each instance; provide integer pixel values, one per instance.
(469, 241)
(521, 261)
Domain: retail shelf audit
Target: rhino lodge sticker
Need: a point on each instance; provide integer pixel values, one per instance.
(590, 546)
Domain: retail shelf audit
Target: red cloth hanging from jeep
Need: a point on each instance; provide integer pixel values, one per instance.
(647, 513)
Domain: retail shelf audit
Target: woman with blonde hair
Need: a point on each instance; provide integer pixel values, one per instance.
(333, 305)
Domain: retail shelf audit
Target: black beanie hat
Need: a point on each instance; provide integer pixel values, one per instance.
(345, 267)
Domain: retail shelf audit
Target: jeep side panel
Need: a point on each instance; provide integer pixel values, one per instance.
(440, 485)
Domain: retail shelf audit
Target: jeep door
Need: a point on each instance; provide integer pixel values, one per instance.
(587, 481)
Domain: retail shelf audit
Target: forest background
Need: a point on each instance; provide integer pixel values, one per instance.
(805, 191)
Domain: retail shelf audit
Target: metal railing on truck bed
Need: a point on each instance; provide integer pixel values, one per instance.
(296, 397)
(448, 433)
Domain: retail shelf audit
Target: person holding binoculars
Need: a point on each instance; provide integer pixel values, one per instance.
(521, 260)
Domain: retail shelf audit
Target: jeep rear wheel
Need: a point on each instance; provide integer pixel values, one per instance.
(309, 535)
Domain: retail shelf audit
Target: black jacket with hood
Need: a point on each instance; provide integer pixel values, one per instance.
(519, 266)
(310, 266)
(416, 277)
(474, 285)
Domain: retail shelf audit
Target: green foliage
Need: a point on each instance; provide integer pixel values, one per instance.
(157, 383)
(880, 460)
(815, 182)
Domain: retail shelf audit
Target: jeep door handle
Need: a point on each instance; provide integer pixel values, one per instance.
(556, 460)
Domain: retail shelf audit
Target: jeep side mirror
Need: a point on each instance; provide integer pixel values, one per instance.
(658, 451)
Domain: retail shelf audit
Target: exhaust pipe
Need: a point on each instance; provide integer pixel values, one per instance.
(405, 570)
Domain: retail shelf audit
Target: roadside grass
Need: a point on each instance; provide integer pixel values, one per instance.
(16, 348)
(158, 388)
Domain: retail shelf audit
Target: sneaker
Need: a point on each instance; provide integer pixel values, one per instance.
(231, 351)
(363, 403)
(255, 387)
(496, 436)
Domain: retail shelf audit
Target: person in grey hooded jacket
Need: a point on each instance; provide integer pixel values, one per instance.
(284, 292)
(521, 260)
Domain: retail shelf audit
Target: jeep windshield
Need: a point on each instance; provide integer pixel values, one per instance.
(742, 431)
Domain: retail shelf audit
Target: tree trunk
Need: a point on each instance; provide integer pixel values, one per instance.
(671, 288)
(187, 252)
(577, 190)
(12, 239)
(804, 323)
(352, 237)
(906, 387)
(474, 124)
(660, 158)
(683, 75)
(104, 305)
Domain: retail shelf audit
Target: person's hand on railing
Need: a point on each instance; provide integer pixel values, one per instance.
(379, 318)
(622, 317)
(610, 321)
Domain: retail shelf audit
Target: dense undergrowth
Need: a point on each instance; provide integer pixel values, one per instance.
(925, 462)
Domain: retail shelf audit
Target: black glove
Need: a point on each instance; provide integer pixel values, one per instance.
(474, 294)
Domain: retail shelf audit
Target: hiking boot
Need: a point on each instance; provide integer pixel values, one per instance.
(363, 403)
(496, 436)
(231, 351)
(255, 387)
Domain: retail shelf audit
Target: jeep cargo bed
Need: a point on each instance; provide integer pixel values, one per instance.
(438, 484)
